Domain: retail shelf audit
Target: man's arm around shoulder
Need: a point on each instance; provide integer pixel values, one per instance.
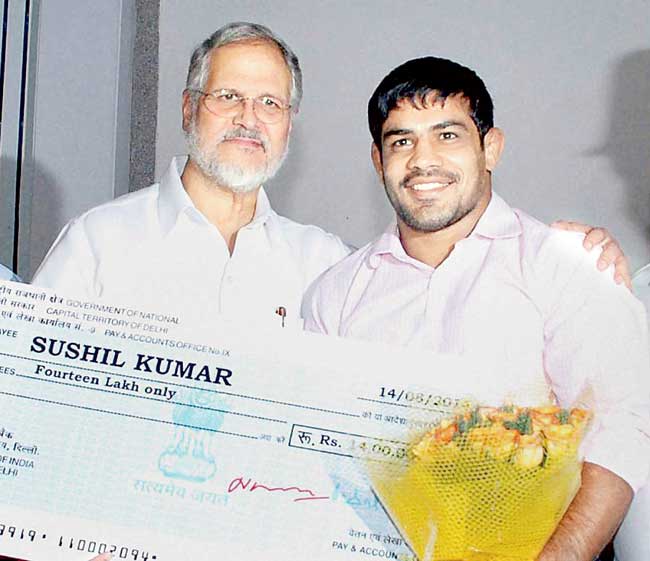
(592, 518)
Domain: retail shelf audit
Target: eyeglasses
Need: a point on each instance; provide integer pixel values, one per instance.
(227, 103)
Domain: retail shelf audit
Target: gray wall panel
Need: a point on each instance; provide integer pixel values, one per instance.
(10, 138)
(144, 100)
(81, 113)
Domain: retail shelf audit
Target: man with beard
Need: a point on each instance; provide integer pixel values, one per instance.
(205, 240)
(462, 272)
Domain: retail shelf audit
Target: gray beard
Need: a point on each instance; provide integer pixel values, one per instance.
(230, 176)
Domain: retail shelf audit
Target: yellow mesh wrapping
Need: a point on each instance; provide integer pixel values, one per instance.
(488, 484)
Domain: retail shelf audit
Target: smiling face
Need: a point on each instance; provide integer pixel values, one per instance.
(240, 152)
(435, 169)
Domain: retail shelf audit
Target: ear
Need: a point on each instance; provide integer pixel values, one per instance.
(187, 110)
(493, 144)
(375, 154)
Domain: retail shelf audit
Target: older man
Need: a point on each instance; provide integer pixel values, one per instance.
(205, 240)
(462, 272)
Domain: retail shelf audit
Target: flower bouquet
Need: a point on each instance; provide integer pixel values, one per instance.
(488, 484)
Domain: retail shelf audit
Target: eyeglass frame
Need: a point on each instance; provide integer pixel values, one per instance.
(242, 98)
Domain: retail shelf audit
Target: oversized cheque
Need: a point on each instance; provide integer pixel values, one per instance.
(157, 437)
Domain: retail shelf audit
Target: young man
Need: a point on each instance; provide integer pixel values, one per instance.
(462, 272)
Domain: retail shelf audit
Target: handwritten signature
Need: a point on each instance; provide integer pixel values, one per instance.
(250, 485)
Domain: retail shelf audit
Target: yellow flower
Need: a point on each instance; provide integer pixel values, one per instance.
(499, 416)
(542, 419)
(579, 418)
(500, 442)
(530, 453)
(560, 440)
(477, 436)
(546, 410)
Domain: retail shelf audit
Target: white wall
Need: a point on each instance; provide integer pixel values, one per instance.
(570, 82)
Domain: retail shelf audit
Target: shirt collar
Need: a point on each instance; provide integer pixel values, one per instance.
(172, 197)
(263, 210)
(389, 243)
(173, 200)
(497, 222)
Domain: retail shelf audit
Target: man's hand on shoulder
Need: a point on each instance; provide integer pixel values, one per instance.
(611, 252)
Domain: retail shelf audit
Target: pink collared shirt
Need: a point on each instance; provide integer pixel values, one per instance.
(526, 299)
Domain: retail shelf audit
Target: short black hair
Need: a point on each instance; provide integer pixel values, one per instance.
(416, 78)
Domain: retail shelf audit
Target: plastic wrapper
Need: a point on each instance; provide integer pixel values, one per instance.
(488, 484)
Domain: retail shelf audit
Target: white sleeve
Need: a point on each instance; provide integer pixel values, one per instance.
(70, 264)
(596, 352)
(312, 308)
